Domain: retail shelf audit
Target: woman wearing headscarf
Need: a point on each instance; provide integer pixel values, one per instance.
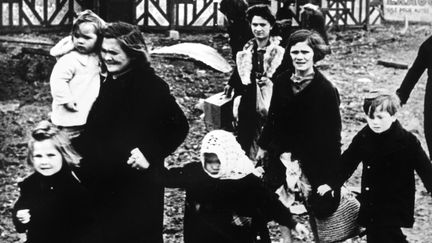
(134, 124)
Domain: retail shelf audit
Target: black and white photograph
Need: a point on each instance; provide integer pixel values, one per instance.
(215, 121)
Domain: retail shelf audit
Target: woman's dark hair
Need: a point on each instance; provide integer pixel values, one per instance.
(131, 40)
(313, 39)
(261, 10)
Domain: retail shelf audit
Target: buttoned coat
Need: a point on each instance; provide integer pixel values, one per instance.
(388, 182)
(307, 124)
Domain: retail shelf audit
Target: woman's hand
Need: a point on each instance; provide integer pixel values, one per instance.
(261, 154)
(301, 230)
(137, 160)
(323, 189)
(23, 216)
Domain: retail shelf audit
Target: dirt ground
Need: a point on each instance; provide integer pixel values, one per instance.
(25, 100)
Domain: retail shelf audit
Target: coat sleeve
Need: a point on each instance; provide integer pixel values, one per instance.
(62, 73)
(349, 161)
(422, 164)
(270, 208)
(235, 82)
(330, 132)
(269, 128)
(22, 203)
(170, 125)
(188, 176)
(415, 72)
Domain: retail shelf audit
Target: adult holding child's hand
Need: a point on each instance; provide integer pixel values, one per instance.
(304, 118)
(134, 124)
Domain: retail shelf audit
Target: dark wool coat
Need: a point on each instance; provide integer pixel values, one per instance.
(423, 61)
(59, 208)
(388, 183)
(211, 204)
(307, 124)
(135, 110)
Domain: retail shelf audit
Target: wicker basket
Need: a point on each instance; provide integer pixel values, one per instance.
(342, 224)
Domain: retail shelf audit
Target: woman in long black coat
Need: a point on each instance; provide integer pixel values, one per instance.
(134, 124)
(304, 117)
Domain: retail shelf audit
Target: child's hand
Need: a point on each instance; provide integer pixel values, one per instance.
(23, 215)
(260, 154)
(301, 230)
(323, 189)
(71, 106)
(137, 160)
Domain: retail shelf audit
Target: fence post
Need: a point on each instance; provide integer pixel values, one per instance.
(366, 25)
(171, 14)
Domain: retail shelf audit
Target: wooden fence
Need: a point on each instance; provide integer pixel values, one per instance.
(37, 15)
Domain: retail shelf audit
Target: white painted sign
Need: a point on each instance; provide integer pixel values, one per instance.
(412, 10)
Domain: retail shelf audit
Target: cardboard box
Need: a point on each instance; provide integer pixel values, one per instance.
(218, 111)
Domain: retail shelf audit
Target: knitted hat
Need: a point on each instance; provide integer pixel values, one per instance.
(234, 162)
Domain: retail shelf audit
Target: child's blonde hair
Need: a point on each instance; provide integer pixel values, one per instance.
(87, 16)
(45, 130)
(381, 100)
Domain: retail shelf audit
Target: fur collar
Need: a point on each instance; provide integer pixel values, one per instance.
(272, 59)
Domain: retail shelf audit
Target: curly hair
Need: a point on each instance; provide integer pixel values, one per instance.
(45, 130)
(131, 40)
(261, 10)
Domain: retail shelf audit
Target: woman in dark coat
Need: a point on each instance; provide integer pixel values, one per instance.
(304, 117)
(256, 64)
(134, 124)
(423, 61)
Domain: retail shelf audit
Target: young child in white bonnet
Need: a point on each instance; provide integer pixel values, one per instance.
(222, 191)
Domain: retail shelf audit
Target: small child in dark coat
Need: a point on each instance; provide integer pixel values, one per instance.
(53, 206)
(223, 194)
(390, 155)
